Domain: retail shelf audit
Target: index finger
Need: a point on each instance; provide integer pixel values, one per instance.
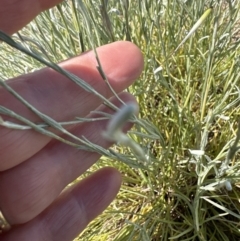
(61, 99)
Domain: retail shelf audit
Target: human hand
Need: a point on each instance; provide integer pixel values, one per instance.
(34, 169)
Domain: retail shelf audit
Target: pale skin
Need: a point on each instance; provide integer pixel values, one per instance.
(34, 169)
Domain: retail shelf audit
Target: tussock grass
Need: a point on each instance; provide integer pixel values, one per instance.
(189, 112)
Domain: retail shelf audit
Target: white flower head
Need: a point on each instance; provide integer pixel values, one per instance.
(115, 125)
(114, 129)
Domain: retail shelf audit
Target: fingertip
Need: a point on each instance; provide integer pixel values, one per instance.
(126, 63)
(130, 63)
(103, 188)
(114, 179)
(121, 61)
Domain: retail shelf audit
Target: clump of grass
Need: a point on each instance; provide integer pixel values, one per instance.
(189, 112)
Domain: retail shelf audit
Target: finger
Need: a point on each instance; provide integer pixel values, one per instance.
(61, 99)
(47, 173)
(14, 15)
(73, 210)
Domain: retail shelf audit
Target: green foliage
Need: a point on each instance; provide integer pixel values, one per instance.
(188, 98)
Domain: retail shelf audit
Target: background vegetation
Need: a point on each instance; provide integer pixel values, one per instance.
(189, 110)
